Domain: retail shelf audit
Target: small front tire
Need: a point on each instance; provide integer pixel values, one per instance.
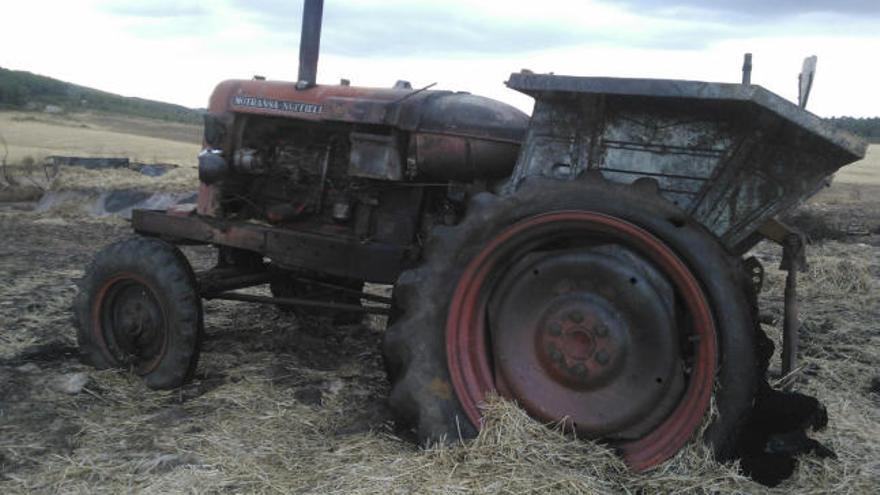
(138, 308)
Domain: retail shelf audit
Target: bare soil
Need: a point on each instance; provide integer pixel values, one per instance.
(261, 349)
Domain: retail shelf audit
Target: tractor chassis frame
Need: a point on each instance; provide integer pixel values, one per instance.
(287, 248)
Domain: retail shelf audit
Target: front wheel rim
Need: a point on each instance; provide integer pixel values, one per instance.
(130, 323)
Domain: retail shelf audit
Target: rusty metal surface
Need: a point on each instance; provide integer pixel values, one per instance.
(730, 155)
(130, 323)
(444, 157)
(446, 112)
(582, 332)
(556, 391)
(281, 98)
(335, 255)
(437, 135)
(208, 202)
(375, 156)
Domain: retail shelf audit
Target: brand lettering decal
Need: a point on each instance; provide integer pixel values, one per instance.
(270, 104)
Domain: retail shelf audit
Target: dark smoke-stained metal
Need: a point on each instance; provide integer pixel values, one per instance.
(342, 256)
(298, 303)
(732, 156)
(747, 69)
(310, 43)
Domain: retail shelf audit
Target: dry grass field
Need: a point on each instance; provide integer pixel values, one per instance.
(37, 135)
(281, 405)
(31, 137)
(863, 173)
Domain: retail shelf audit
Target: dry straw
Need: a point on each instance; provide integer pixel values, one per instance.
(180, 179)
(250, 430)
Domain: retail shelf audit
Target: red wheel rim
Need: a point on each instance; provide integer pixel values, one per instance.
(105, 321)
(466, 343)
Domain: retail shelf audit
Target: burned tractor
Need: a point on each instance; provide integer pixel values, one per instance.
(585, 261)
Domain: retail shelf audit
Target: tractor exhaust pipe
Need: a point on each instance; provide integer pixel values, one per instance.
(309, 43)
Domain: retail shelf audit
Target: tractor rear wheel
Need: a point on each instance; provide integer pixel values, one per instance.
(138, 308)
(584, 302)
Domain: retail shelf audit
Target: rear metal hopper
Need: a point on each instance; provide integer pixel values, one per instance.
(731, 155)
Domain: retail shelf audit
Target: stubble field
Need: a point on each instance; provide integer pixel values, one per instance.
(290, 406)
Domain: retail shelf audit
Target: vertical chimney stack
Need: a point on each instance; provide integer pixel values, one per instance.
(747, 69)
(310, 43)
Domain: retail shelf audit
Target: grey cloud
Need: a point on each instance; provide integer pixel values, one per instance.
(758, 8)
(155, 9)
(429, 28)
(158, 19)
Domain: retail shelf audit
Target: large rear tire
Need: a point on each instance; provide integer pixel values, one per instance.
(583, 281)
(138, 308)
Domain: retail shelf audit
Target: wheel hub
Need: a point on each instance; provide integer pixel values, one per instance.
(131, 323)
(579, 342)
(574, 337)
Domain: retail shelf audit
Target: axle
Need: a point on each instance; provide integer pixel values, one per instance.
(298, 302)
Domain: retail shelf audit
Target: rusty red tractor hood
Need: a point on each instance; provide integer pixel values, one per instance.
(454, 113)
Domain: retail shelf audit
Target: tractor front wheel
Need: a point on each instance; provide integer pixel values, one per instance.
(138, 308)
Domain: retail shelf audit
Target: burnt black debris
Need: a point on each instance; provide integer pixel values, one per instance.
(777, 433)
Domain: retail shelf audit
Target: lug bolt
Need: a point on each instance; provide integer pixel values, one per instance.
(579, 371)
(554, 353)
(601, 331)
(576, 316)
(602, 357)
(555, 329)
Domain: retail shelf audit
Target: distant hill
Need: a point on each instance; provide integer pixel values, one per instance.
(20, 90)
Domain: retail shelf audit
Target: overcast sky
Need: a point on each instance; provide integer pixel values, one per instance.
(177, 50)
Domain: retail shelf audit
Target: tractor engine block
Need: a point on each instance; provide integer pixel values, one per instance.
(302, 177)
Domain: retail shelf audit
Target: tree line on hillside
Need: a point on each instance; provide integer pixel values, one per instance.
(868, 128)
(22, 90)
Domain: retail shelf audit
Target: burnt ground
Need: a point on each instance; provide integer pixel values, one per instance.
(281, 405)
(312, 362)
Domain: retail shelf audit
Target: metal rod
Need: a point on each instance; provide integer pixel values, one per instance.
(747, 69)
(790, 327)
(232, 283)
(805, 80)
(293, 301)
(310, 43)
(325, 164)
(346, 290)
(408, 95)
(793, 259)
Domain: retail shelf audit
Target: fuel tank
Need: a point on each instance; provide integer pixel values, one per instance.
(446, 135)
